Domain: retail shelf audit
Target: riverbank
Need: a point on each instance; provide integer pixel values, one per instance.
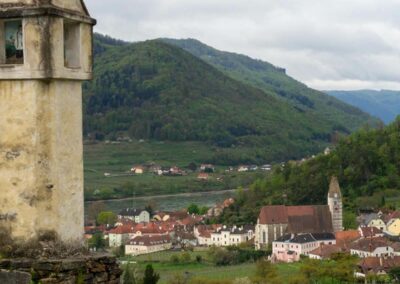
(166, 202)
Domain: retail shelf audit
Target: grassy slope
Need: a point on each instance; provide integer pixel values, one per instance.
(118, 159)
(206, 270)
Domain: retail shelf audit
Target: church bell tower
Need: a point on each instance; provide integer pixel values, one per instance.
(335, 204)
(45, 55)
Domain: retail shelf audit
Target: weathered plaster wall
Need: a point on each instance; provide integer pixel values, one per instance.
(41, 172)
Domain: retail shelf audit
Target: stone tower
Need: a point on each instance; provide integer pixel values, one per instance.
(335, 204)
(45, 54)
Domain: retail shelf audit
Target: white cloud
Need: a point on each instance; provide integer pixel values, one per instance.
(336, 44)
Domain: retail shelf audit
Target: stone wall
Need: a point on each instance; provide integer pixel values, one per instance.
(85, 269)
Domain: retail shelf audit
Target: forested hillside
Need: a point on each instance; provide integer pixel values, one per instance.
(367, 164)
(274, 79)
(154, 90)
(384, 104)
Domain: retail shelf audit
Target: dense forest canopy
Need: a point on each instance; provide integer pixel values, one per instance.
(155, 90)
(367, 164)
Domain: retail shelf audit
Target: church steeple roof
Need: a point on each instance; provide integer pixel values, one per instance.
(334, 188)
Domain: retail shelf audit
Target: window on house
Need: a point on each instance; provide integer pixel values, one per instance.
(264, 237)
(13, 40)
(72, 44)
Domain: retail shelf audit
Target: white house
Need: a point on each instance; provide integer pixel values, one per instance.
(229, 236)
(289, 248)
(148, 244)
(136, 215)
(120, 235)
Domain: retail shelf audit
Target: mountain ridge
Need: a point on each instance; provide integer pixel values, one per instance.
(384, 104)
(155, 90)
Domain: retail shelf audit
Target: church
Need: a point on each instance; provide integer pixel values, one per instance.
(275, 221)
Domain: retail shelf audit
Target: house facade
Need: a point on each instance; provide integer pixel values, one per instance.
(229, 236)
(136, 215)
(393, 227)
(148, 244)
(289, 248)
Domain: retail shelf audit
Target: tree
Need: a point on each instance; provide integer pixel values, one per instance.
(192, 166)
(129, 275)
(150, 276)
(95, 208)
(394, 273)
(193, 209)
(107, 218)
(97, 241)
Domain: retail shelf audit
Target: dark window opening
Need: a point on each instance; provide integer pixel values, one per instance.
(14, 42)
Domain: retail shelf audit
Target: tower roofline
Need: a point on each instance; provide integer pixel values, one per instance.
(15, 10)
(334, 188)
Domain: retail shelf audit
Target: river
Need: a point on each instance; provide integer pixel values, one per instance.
(167, 202)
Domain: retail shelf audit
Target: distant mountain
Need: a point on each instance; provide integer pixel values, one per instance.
(272, 79)
(155, 90)
(383, 104)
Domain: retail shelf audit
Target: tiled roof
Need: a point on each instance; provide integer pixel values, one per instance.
(273, 214)
(370, 231)
(150, 240)
(124, 229)
(349, 235)
(325, 251)
(300, 219)
(376, 264)
(370, 244)
(131, 212)
(306, 238)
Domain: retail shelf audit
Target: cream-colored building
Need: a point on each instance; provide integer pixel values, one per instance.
(232, 236)
(393, 227)
(148, 244)
(45, 54)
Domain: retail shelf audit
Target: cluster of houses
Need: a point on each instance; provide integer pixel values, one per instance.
(141, 233)
(316, 231)
(204, 170)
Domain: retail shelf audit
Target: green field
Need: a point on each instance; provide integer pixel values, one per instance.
(205, 270)
(118, 159)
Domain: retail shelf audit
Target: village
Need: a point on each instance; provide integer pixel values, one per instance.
(287, 233)
(204, 170)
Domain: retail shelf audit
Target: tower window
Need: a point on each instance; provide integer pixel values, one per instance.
(72, 34)
(13, 42)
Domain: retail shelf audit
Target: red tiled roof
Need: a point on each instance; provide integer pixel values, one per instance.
(392, 215)
(274, 214)
(367, 232)
(378, 263)
(325, 251)
(150, 240)
(124, 229)
(300, 219)
(349, 235)
(370, 244)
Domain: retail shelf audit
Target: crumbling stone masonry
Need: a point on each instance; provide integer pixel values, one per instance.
(88, 269)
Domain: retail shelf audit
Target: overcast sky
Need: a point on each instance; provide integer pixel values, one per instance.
(336, 44)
